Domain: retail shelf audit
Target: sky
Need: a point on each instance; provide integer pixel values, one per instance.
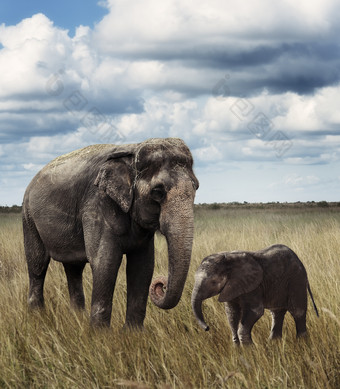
(253, 88)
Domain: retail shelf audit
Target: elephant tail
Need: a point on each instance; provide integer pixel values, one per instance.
(311, 296)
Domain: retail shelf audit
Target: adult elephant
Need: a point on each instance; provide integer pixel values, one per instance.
(100, 202)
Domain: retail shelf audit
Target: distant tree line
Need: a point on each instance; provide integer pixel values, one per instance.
(12, 209)
(234, 204)
(245, 204)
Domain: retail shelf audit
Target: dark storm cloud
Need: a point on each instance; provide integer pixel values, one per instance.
(21, 128)
(296, 67)
(209, 56)
(300, 67)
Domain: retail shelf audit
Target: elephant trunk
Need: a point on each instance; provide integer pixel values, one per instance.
(196, 303)
(177, 224)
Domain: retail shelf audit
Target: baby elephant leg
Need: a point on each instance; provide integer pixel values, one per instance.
(300, 322)
(278, 316)
(233, 312)
(250, 315)
(298, 309)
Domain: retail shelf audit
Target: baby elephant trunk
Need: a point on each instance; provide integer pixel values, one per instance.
(196, 303)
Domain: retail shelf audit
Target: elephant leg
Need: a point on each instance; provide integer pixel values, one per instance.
(105, 257)
(298, 307)
(74, 274)
(250, 315)
(300, 322)
(233, 312)
(36, 283)
(37, 264)
(104, 275)
(277, 323)
(139, 270)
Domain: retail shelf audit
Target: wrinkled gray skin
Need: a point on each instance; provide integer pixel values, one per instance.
(248, 282)
(98, 203)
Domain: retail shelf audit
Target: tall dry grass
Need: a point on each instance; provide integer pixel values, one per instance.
(57, 349)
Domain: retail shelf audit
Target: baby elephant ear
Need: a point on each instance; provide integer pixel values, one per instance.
(115, 179)
(244, 274)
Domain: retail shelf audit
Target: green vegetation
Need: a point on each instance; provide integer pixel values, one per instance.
(57, 349)
(234, 204)
(12, 209)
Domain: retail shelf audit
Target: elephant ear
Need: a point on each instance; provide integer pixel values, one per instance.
(244, 274)
(115, 179)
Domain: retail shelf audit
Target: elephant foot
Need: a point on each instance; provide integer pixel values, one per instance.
(98, 324)
(236, 343)
(245, 337)
(100, 316)
(36, 303)
(274, 336)
(78, 304)
(133, 327)
(236, 340)
(246, 340)
(247, 343)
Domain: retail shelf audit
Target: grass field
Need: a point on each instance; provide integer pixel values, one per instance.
(57, 349)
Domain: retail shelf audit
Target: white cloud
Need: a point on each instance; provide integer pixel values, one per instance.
(32, 167)
(32, 49)
(208, 154)
(309, 113)
(300, 113)
(296, 181)
(149, 69)
(170, 25)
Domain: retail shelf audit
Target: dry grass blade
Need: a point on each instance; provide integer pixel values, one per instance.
(57, 349)
(131, 384)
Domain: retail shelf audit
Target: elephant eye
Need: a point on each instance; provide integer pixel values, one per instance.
(158, 192)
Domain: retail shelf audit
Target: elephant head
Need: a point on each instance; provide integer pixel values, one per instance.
(228, 274)
(157, 186)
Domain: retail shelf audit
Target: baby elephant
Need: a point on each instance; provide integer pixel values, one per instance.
(273, 278)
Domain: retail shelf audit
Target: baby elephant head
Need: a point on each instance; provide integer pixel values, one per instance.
(228, 274)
